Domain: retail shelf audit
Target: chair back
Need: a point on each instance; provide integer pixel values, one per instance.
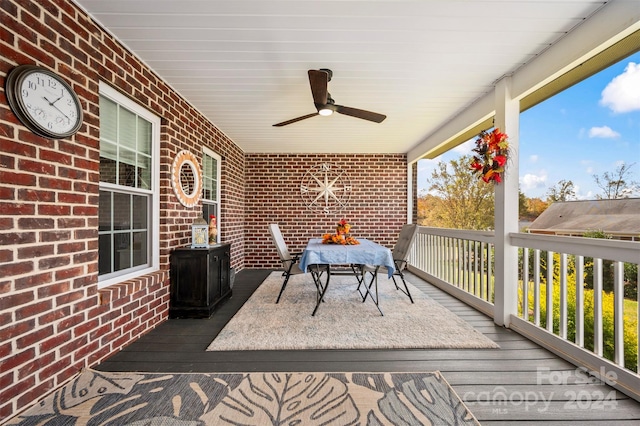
(281, 245)
(405, 241)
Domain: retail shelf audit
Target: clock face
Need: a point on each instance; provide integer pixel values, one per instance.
(43, 101)
(325, 188)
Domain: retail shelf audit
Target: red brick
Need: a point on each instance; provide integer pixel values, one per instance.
(54, 341)
(16, 299)
(55, 315)
(33, 280)
(32, 310)
(16, 360)
(36, 167)
(13, 178)
(35, 251)
(32, 366)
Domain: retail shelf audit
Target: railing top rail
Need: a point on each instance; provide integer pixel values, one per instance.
(464, 234)
(622, 251)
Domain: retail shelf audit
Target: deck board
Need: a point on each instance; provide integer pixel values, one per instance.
(479, 376)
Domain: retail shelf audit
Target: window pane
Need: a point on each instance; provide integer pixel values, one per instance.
(208, 188)
(108, 157)
(144, 136)
(121, 211)
(122, 251)
(108, 120)
(104, 254)
(139, 248)
(140, 217)
(127, 169)
(144, 172)
(127, 130)
(104, 212)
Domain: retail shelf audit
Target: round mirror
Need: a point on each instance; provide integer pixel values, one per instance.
(186, 178)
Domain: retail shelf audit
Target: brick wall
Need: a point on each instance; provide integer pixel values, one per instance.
(53, 319)
(377, 206)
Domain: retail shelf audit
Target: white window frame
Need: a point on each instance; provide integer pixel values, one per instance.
(154, 217)
(217, 203)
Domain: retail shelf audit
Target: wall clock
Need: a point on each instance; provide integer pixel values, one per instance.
(325, 187)
(186, 178)
(43, 101)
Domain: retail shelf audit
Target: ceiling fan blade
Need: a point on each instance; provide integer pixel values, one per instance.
(293, 120)
(318, 80)
(360, 113)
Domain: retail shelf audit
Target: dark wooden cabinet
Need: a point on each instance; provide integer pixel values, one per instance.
(200, 280)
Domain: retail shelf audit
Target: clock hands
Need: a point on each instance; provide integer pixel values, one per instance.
(52, 104)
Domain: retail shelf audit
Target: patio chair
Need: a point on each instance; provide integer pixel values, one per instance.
(290, 261)
(400, 254)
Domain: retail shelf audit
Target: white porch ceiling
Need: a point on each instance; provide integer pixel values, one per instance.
(244, 63)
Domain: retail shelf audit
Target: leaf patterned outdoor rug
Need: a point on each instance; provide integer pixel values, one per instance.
(305, 399)
(343, 321)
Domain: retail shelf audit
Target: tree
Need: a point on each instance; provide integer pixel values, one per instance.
(561, 191)
(617, 184)
(463, 201)
(535, 207)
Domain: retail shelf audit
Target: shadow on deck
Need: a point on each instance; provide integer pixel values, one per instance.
(520, 383)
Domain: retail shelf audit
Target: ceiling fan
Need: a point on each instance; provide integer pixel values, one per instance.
(325, 104)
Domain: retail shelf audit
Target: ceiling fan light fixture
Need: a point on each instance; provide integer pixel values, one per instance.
(325, 112)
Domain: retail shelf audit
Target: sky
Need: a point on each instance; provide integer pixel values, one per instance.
(586, 130)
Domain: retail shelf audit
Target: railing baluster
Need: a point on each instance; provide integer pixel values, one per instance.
(618, 313)
(563, 295)
(476, 279)
(550, 291)
(597, 306)
(536, 287)
(482, 269)
(579, 340)
(490, 269)
(525, 283)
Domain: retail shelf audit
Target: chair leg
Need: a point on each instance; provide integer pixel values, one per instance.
(284, 284)
(374, 283)
(406, 289)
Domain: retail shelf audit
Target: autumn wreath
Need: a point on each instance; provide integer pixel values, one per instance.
(492, 153)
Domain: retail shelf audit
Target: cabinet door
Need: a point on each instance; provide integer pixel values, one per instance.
(188, 284)
(225, 284)
(215, 263)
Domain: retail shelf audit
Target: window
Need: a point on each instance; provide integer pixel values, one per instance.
(129, 188)
(211, 185)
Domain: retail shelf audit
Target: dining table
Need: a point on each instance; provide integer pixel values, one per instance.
(318, 254)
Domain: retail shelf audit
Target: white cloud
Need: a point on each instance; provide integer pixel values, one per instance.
(533, 158)
(622, 94)
(465, 148)
(531, 181)
(603, 132)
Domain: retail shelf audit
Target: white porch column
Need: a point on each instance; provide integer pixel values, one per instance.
(507, 118)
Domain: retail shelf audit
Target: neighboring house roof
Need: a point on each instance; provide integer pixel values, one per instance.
(620, 217)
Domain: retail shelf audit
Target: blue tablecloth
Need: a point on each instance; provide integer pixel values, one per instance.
(365, 253)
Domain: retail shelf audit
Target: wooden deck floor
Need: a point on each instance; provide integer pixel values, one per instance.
(520, 383)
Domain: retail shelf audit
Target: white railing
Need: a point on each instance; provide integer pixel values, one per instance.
(460, 259)
(585, 323)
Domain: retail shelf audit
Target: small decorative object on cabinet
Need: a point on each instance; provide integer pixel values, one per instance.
(199, 233)
(200, 280)
(213, 229)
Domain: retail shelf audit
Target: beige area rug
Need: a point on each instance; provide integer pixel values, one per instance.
(153, 399)
(343, 321)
